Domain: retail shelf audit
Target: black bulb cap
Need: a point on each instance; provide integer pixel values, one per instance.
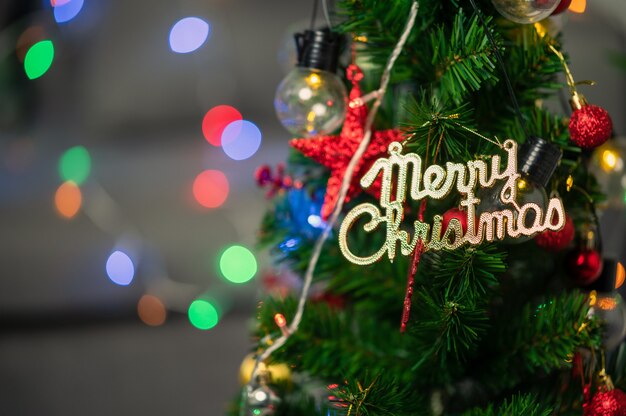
(538, 159)
(318, 49)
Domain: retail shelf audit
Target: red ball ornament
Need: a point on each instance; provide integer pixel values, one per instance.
(454, 213)
(584, 266)
(557, 240)
(590, 126)
(606, 403)
(563, 5)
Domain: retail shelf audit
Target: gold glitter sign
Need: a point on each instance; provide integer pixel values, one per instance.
(437, 182)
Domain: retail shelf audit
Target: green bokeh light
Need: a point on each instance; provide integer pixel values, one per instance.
(238, 264)
(75, 165)
(38, 59)
(202, 314)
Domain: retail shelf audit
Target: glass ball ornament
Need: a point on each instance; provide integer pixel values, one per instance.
(608, 167)
(311, 102)
(537, 160)
(528, 191)
(611, 310)
(525, 11)
(260, 400)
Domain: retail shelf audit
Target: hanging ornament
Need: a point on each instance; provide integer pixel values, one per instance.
(259, 398)
(557, 240)
(311, 100)
(537, 161)
(608, 401)
(335, 152)
(590, 125)
(457, 214)
(584, 266)
(584, 263)
(563, 5)
(525, 11)
(278, 372)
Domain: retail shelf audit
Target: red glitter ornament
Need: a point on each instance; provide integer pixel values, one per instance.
(584, 266)
(557, 240)
(454, 213)
(590, 126)
(335, 152)
(606, 403)
(563, 5)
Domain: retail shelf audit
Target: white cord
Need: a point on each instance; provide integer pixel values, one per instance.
(326, 14)
(347, 180)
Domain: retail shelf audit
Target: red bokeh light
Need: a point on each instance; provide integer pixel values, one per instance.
(210, 188)
(216, 120)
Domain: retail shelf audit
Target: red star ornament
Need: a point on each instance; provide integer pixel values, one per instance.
(335, 152)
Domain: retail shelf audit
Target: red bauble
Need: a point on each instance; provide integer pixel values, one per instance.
(607, 403)
(454, 213)
(584, 266)
(563, 5)
(557, 240)
(590, 126)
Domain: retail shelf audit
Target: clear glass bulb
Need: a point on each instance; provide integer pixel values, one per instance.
(527, 192)
(311, 102)
(525, 11)
(610, 308)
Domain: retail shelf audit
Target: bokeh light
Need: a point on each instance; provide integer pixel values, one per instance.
(210, 188)
(151, 310)
(202, 314)
(238, 264)
(120, 268)
(578, 6)
(68, 199)
(620, 275)
(216, 120)
(610, 160)
(38, 59)
(66, 10)
(75, 165)
(189, 34)
(241, 139)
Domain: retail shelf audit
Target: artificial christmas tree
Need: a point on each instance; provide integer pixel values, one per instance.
(426, 294)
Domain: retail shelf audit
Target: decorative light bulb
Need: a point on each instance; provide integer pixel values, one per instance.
(312, 99)
(525, 11)
(538, 158)
(608, 305)
(258, 397)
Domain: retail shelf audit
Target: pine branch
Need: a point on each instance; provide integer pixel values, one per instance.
(518, 405)
(463, 57)
(452, 307)
(539, 339)
(381, 395)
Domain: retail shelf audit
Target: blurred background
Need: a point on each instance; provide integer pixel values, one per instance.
(128, 263)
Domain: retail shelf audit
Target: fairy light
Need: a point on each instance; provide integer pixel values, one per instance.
(314, 81)
(610, 161)
(281, 322)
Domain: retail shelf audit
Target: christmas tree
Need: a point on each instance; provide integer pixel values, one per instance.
(434, 233)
